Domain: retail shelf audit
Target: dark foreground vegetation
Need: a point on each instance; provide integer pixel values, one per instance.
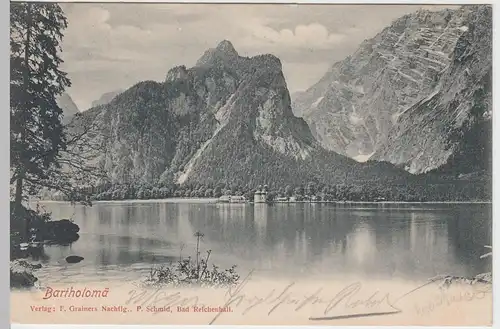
(482, 278)
(193, 271)
(43, 152)
(30, 230)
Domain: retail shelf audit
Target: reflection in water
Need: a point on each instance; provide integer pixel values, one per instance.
(260, 220)
(361, 245)
(409, 241)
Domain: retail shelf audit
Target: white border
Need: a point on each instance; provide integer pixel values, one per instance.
(496, 155)
(4, 123)
(364, 2)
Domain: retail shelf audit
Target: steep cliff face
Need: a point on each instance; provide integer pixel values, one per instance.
(451, 129)
(353, 107)
(138, 133)
(254, 124)
(69, 107)
(257, 136)
(258, 139)
(153, 129)
(226, 119)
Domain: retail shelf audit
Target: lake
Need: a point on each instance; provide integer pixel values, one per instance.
(120, 241)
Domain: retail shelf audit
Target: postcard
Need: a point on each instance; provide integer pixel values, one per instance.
(251, 164)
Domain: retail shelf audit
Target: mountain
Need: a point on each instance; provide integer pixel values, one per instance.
(106, 98)
(69, 107)
(228, 119)
(356, 103)
(451, 129)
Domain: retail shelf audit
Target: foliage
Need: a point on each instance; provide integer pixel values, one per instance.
(79, 163)
(36, 134)
(185, 273)
(28, 225)
(43, 154)
(424, 189)
(21, 219)
(193, 272)
(447, 280)
(21, 274)
(22, 279)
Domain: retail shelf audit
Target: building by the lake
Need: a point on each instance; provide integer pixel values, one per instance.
(224, 199)
(232, 199)
(237, 199)
(260, 195)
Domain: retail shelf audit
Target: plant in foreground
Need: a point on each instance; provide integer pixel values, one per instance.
(189, 272)
(484, 278)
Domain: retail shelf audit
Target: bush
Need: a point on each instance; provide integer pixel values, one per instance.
(22, 279)
(21, 275)
(186, 273)
(447, 280)
(29, 226)
(193, 272)
(23, 218)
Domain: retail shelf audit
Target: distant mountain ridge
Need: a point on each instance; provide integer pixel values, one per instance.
(227, 119)
(68, 106)
(106, 98)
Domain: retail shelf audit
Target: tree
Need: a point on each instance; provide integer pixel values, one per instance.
(311, 188)
(249, 195)
(217, 192)
(140, 193)
(164, 192)
(299, 190)
(36, 135)
(43, 154)
(288, 191)
(271, 196)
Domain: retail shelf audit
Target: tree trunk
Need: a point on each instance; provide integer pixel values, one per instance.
(19, 194)
(26, 78)
(18, 207)
(26, 75)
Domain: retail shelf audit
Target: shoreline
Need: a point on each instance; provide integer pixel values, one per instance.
(214, 200)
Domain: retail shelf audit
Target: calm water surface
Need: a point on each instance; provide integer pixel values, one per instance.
(120, 240)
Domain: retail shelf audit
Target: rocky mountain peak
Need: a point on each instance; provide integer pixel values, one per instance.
(268, 62)
(177, 72)
(224, 53)
(226, 47)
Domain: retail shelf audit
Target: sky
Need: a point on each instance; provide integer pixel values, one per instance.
(108, 47)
